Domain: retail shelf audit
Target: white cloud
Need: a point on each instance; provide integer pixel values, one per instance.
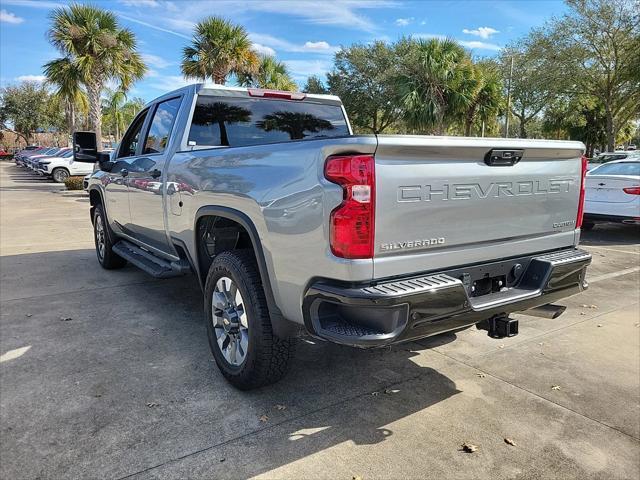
(301, 69)
(8, 17)
(284, 45)
(316, 46)
(482, 32)
(480, 45)
(140, 3)
(403, 22)
(31, 78)
(263, 50)
(166, 83)
(155, 61)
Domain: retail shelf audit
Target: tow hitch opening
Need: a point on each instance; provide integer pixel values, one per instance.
(500, 326)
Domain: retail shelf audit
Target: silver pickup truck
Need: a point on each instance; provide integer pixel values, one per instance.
(288, 219)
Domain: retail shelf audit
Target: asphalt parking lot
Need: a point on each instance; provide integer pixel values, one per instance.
(109, 375)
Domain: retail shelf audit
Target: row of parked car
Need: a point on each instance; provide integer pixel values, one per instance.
(53, 162)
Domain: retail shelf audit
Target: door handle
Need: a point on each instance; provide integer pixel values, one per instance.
(155, 173)
(124, 172)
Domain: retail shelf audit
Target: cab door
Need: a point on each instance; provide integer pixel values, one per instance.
(116, 189)
(147, 178)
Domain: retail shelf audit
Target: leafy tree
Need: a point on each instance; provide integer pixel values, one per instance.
(113, 113)
(315, 85)
(218, 49)
(66, 77)
(434, 86)
(533, 84)
(596, 47)
(270, 74)
(92, 41)
(25, 109)
(362, 77)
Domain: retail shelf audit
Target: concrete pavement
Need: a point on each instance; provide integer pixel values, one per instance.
(109, 375)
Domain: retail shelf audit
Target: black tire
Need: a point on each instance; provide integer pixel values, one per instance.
(108, 259)
(60, 174)
(587, 226)
(267, 357)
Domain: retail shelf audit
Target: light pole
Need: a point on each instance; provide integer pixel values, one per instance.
(506, 123)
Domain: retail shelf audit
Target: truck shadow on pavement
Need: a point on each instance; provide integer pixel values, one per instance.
(611, 234)
(119, 379)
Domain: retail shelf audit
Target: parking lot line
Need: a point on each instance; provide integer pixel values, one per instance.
(619, 273)
(589, 247)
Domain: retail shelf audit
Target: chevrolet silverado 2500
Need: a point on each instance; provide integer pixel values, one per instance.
(290, 220)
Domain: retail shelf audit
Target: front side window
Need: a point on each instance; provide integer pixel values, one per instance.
(163, 119)
(239, 122)
(129, 145)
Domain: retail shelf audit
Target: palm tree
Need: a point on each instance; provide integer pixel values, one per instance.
(113, 110)
(66, 77)
(218, 49)
(431, 84)
(487, 96)
(293, 123)
(271, 74)
(91, 39)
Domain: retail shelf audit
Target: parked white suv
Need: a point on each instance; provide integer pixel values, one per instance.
(62, 167)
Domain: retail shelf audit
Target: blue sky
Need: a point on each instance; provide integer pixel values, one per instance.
(304, 34)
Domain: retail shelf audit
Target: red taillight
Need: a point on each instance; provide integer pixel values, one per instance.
(585, 164)
(259, 92)
(632, 190)
(352, 222)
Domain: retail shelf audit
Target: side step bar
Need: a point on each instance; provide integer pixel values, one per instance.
(155, 266)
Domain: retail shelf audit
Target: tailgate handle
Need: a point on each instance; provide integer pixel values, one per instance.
(502, 157)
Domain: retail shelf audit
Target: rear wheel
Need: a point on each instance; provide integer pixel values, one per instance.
(241, 338)
(59, 175)
(103, 240)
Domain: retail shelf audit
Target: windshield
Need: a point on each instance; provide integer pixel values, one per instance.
(238, 122)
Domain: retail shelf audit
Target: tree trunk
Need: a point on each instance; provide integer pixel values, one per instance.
(523, 130)
(611, 137)
(94, 89)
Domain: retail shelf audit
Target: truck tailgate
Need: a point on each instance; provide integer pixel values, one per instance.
(439, 204)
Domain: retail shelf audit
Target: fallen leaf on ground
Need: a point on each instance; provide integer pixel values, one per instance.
(501, 346)
(508, 441)
(28, 315)
(593, 306)
(481, 375)
(66, 319)
(281, 407)
(583, 313)
(152, 404)
(264, 418)
(389, 391)
(222, 460)
(555, 387)
(469, 447)
(599, 325)
(375, 394)
(356, 477)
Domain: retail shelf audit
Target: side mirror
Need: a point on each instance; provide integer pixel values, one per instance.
(84, 147)
(104, 161)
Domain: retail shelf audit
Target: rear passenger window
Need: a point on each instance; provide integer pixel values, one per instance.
(161, 125)
(623, 168)
(237, 122)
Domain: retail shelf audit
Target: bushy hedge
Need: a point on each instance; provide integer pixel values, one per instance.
(74, 183)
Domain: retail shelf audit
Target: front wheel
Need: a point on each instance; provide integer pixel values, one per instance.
(241, 338)
(59, 175)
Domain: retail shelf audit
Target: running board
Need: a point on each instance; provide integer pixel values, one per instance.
(155, 266)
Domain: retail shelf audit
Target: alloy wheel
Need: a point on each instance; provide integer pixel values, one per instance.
(230, 321)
